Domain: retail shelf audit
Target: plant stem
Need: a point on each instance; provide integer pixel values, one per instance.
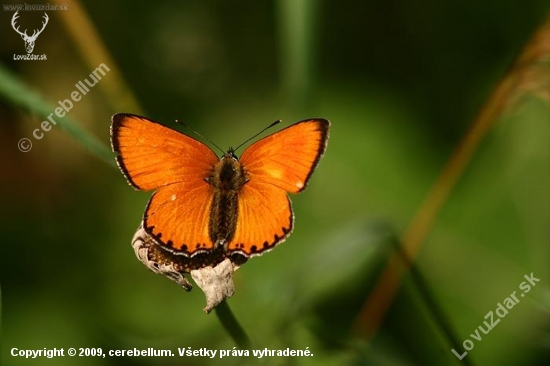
(231, 325)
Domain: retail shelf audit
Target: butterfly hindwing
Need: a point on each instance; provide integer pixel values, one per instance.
(177, 217)
(265, 218)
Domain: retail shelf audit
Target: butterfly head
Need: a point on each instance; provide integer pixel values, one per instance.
(230, 154)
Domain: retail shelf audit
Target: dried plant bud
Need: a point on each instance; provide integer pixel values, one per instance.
(212, 274)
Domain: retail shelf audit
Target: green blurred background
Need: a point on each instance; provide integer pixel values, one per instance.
(401, 82)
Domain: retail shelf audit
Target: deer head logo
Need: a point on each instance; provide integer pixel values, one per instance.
(29, 40)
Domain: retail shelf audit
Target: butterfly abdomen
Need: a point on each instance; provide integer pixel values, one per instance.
(227, 179)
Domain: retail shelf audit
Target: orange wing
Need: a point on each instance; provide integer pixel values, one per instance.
(275, 165)
(152, 156)
(265, 219)
(287, 158)
(177, 217)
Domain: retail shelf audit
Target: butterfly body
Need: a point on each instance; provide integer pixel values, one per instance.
(205, 208)
(227, 179)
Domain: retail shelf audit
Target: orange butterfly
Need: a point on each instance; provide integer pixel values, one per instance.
(207, 208)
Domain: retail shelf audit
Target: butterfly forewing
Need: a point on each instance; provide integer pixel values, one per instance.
(287, 158)
(152, 155)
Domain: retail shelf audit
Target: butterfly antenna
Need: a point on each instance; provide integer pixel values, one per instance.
(259, 133)
(198, 134)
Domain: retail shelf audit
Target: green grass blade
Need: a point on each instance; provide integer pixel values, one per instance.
(21, 95)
